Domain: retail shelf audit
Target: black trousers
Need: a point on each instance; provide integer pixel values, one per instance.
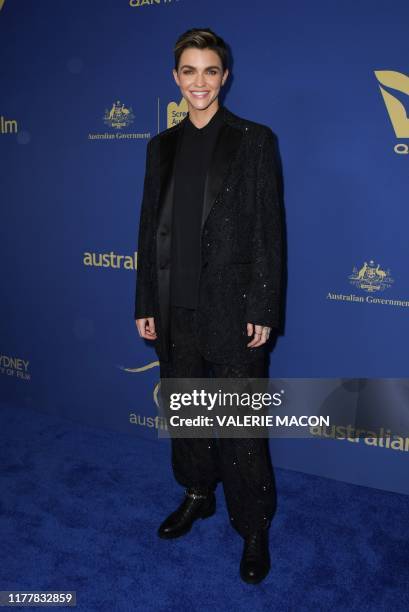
(242, 465)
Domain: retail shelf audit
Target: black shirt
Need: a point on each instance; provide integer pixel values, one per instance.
(192, 161)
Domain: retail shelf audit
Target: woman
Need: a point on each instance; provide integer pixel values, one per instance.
(208, 283)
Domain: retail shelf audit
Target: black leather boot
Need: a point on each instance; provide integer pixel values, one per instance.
(197, 503)
(255, 562)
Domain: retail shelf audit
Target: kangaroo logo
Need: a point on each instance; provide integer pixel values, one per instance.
(370, 277)
(395, 108)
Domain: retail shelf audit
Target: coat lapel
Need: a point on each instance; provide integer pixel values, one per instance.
(226, 146)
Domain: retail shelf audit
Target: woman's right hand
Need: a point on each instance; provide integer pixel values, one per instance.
(146, 328)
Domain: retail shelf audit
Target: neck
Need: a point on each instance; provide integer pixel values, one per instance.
(200, 117)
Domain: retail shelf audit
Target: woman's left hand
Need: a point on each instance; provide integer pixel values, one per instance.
(261, 334)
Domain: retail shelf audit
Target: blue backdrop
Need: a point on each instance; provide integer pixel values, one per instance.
(83, 88)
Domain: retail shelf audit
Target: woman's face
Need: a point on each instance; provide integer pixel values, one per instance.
(200, 77)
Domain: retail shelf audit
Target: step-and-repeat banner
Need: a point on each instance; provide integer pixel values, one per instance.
(85, 85)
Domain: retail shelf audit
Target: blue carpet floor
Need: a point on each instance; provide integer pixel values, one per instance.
(79, 509)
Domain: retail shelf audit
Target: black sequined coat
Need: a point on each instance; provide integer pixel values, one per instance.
(241, 240)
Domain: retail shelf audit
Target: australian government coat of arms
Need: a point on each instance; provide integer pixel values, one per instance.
(118, 116)
(371, 277)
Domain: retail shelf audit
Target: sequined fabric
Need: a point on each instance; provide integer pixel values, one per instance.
(242, 465)
(241, 248)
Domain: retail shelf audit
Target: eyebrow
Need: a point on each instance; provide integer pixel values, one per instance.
(207, 68)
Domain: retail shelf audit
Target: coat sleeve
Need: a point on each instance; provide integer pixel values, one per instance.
(263, 302)
(144, 290)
